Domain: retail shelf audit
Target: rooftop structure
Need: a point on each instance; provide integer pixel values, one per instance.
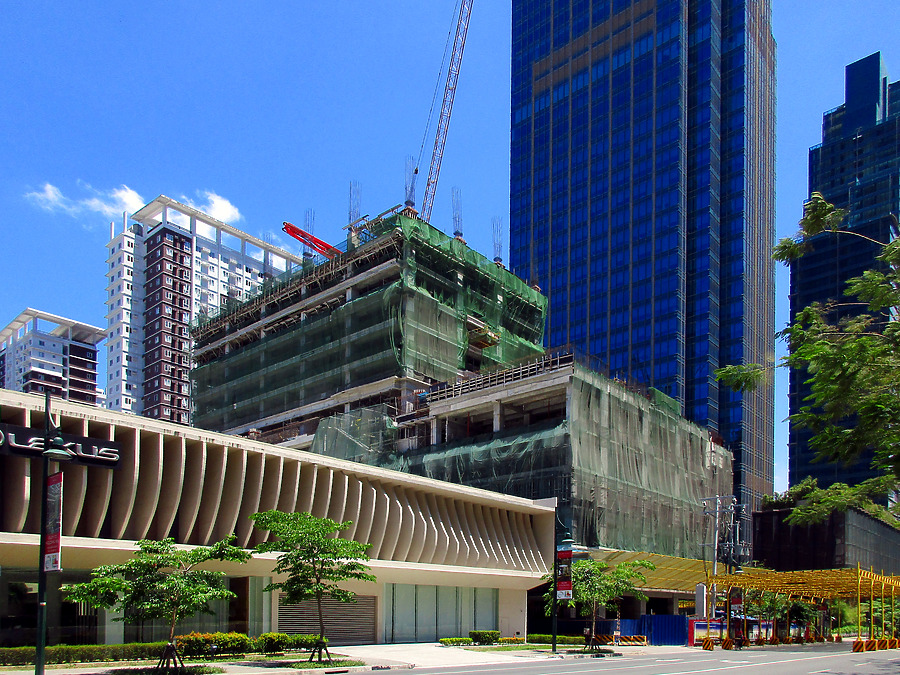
(170, 263)
(857, 168)
(402, 307)
(41, 351)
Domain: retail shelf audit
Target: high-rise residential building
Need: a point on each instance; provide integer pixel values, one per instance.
(856, 167)
(170, 264)
(40, 351)
(642, 197)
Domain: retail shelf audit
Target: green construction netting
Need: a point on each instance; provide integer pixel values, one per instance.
(417, 326)
(628, 474)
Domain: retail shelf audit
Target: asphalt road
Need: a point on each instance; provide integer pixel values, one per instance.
(779, 661)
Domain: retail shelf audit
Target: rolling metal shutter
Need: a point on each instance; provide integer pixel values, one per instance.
(346, 623)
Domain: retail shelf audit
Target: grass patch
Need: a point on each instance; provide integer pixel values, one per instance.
(300, 665)
(149, 670)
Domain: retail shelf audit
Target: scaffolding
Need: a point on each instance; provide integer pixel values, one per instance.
(629, 474)
(403, 301)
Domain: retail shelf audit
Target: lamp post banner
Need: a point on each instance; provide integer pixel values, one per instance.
(54, 522)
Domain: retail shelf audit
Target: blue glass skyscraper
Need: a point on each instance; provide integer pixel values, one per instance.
(642, 197)
(856, 167)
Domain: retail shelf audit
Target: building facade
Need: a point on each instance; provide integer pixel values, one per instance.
(40, 351)
(168, 265)
(856, 167)
(642, 197)
(448, 558)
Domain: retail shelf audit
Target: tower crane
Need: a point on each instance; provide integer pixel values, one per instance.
(459, 43)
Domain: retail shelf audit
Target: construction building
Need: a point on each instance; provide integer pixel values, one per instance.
(402, 307)
(169, 264)
(41, 351)
(408, 350)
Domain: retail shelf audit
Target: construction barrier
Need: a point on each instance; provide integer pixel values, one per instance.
(859, 646)
(727, 644)
(871, 645)
(882, 644)
(604, 639)
(708, 644)
(893, 643)
(633, 640)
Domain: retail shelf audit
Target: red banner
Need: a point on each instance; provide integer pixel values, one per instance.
(54, 522)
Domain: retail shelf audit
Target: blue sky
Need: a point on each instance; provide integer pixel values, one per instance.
(258, 116)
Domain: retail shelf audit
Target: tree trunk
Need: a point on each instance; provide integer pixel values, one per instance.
(321, 617)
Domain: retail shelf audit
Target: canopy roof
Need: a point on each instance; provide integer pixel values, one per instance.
(840, 583)
(671, 573)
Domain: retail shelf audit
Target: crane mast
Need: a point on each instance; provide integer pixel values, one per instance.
(459, 43)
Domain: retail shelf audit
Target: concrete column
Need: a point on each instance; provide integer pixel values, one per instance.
(498, 416)
(512, 614)
(436, 431)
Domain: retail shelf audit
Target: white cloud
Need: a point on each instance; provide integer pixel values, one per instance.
(109, 203)
(216, 206)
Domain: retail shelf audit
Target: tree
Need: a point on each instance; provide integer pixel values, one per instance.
(162, 581)
(595, 584)
(314, 559)
(811, 504)
(849, 350)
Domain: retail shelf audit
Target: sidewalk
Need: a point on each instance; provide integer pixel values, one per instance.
(384, 656)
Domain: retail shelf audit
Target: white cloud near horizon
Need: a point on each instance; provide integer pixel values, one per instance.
(216, 206)
(108, 203)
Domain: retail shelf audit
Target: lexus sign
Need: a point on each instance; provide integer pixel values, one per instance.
(27, 442)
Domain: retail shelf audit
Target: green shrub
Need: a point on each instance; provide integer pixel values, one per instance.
(201, 644)
(233, 643)
(455, 641)
(544, 639)
(269, 643)
(511, 641)
(20, 656)
(303, 641)
(484, 637)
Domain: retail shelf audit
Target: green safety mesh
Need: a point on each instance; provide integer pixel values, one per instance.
(420, 325)
(628, 474)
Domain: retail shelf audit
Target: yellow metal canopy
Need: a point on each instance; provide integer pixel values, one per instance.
(840, 583)
(671, 574)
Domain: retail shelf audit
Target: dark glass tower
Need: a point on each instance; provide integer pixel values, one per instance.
(857, 168)
(642, 197)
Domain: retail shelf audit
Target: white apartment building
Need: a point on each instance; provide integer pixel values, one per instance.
(39, 351)
(169, 263)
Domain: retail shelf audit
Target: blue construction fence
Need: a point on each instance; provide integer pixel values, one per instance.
(660, 629)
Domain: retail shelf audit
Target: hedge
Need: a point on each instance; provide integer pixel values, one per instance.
(201, 644)
(541, 638)
(455, 641)
(136, 651)
(484, 637)
(511, 640)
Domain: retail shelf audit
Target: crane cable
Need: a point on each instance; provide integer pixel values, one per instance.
(437, 85)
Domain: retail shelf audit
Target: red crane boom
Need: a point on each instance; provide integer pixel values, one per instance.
(307, 239)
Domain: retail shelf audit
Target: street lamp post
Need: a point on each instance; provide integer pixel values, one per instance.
(53, 450)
